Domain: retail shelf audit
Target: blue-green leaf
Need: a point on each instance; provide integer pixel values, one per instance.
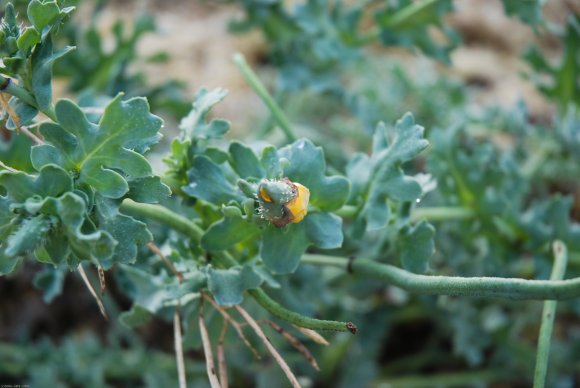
(324, 230)
(228, 285)
(307, 167)
(282, 248)
(227, 232)
(208, 182)
(245, 162)
(41, 14)
(42, 60)
(195, 125)
(416, 246)
(95, 150)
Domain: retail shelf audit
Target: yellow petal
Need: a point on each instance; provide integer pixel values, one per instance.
(298, 206)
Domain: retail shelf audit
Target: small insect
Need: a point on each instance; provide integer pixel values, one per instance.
(282, 202)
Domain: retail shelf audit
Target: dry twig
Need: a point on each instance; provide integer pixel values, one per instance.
(92, 291)
(279, 359)
(221, 355)
(211, 374)
(179, 348)
(295, 342)
(313, 335)
(236, 325)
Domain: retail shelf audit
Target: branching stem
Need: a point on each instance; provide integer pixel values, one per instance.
(7, 85)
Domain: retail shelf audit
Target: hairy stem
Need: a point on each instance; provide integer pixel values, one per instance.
(486, 287)
(548, 315)
(261, 91)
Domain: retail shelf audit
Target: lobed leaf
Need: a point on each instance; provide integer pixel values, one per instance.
(106, 155)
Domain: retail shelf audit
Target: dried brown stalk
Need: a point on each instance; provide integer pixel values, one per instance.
(279, 359)
(179, 348)
(209, 364)
(92, 291)
(221, 354)
(295, 342)
(313, 335)
(236, 325)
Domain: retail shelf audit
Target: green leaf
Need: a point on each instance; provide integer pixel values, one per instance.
(529, 11)
(8, 264)
(148, 190)
(52, 181)
(387, 180)
(50, 281)
(307, 167)
(245, 162)
(28, 236)
(208, 182)
(195, 125)
(41, 14)
(137, 316)
(130, 235)
(42, 60)
(95, 150)
(416, 246)
(227, 232)
(271, 163)
(28, 39)
(324, 230)
(228, 285)
(282, 248)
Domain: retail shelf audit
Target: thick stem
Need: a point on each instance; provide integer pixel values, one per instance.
(548, 315)
(486, 287)
(261, 91)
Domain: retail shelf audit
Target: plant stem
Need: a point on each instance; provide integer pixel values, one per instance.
(226, 260)
(439, 213)
(297, 319)
(261, 91)
(486, 287)
(7, 85)
(442, 213)
(548, 315)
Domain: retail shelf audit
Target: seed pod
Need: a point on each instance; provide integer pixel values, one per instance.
(282, 202)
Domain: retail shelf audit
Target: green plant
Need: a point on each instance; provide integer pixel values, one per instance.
(249, 221)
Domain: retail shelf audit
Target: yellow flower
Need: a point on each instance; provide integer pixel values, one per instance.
(298, 207)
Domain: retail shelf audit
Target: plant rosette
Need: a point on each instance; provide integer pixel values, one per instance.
(281, 199)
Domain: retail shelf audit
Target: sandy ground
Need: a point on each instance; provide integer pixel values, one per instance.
(195, 35)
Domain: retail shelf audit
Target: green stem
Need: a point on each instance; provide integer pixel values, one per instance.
(486, 287)
(442, 213)
(548, 315)
(226, 260)
(439, 213)
(7, 85)
(261, 91)
(299, 320)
